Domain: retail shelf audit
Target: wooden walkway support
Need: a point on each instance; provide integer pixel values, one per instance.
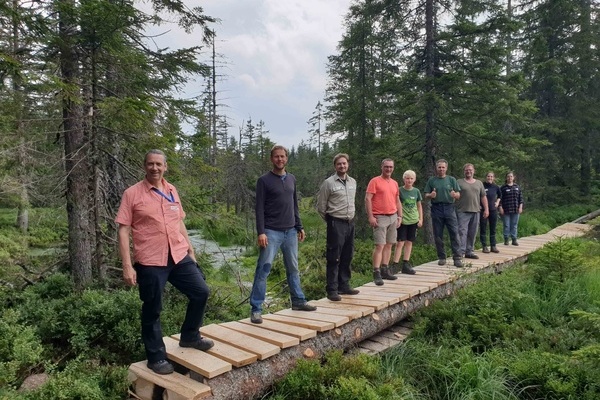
(248, 358)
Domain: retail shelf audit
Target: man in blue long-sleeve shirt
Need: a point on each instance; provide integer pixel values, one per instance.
(279, 227)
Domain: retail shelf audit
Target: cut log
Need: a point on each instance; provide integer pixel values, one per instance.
(175, 384)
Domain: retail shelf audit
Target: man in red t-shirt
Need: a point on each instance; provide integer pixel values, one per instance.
(384, 210)
(151, 213)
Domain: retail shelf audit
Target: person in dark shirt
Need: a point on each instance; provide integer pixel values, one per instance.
(493, 194)
(511, 207)
(279, 227)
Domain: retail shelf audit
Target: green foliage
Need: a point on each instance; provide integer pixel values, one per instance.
(557, 261)
(11, 247)
(522, 334)
(46, 236)
(20, 348)
(340, 378)
(82, 380)
(88, 323)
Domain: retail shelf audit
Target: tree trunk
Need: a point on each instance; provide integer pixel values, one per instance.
(76, 164)
(430, 128)
(23, 210)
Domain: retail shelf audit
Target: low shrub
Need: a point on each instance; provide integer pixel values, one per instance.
(82, 380)
(20, 349)
(341, 378)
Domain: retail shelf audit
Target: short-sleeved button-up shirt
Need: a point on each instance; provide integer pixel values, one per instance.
(155, 223)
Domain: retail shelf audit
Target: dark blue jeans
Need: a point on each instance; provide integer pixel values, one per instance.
(340, 249)
(444, 214)
(492, 220)
(186, 277)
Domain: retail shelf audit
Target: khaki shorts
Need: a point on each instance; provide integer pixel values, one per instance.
(385, 232)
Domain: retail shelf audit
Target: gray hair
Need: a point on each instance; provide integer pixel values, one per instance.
(155, 151)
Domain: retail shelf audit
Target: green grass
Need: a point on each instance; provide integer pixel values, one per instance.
(530, 332)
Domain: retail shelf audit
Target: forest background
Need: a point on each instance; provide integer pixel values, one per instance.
(505, 85)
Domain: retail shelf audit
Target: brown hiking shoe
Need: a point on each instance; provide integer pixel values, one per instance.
(377, 277)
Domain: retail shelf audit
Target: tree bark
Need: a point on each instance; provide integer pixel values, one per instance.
(23, 178)
(430, 122)
(76, 164)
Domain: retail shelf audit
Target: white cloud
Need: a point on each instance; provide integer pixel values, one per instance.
(275, 53)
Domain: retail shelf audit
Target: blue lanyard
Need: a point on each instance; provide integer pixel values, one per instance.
(170, 199)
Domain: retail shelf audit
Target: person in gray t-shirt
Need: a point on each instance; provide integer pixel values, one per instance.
(472, 200)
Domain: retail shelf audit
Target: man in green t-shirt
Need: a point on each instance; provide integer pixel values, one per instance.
(443, 190)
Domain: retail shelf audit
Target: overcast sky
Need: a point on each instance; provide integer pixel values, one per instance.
(275, 53)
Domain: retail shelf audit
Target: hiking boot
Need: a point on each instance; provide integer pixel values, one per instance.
(303, 307)
(485, 249)
(495, 249)
(200, 344)
(377, 277)
(442, 261)
(349, 291)
(162, 367)
(506, 241)
(407, 268)
(385, 274)
(255, 317)
(514, 242)
(472, 256)
(394, 268)
(458, 263)
(334, 297)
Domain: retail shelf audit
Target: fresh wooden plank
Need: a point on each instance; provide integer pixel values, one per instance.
(319, 326)
(426, 271)
(376, 304)
(364, 295)
(396, 295)
(390, 297)
(351, 314)
(338, 305)
(257, 331)
(338, 320)
(196, 360)
(414, 283)
(175, 382)
(236, 339)
(233, 355)
(412, 289)
(431, 282)
(287, 329)
(395, 290)
(436, 270)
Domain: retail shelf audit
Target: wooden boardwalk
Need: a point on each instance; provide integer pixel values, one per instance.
(247, 357)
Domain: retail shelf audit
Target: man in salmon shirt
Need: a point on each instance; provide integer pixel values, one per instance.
(384, 210)
(151, 213)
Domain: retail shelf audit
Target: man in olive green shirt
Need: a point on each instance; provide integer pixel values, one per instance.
(335, 204)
